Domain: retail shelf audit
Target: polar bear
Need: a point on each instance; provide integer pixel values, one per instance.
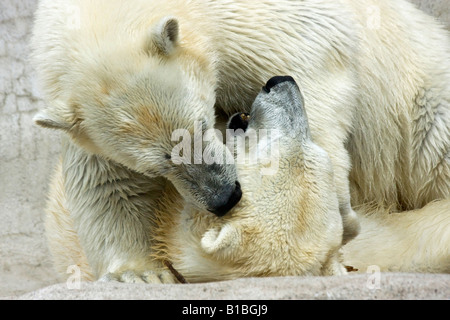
(375, 77)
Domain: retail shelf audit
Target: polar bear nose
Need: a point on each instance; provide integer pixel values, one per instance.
(239, 121)
(275, 81)
(226, 201)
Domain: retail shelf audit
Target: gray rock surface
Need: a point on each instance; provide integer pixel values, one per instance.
(27, 156)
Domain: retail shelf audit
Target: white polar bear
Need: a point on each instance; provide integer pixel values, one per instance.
(375, 77)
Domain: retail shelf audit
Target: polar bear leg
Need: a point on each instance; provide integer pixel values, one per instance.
(341, 164)
(430, 146)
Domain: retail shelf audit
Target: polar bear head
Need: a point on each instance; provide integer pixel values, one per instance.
(123, 96)
(288, 222)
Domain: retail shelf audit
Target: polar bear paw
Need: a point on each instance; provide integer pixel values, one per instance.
(130, 276)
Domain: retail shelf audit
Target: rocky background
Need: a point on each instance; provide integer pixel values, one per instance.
(27, 157)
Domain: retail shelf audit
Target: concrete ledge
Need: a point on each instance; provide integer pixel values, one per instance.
(398, 286)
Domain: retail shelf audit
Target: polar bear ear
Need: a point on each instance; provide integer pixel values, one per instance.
(164, 36)
(229, 237)
(55, 117)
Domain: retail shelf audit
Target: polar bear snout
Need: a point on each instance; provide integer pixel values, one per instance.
(225, 201)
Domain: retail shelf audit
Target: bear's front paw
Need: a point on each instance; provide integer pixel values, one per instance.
(149, 276)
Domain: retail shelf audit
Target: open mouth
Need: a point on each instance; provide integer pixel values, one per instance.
(233, 199)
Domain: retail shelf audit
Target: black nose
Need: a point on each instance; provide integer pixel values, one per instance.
(226, 204)
(276, 80)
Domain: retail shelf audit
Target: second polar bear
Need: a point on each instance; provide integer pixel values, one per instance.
(119, 77)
